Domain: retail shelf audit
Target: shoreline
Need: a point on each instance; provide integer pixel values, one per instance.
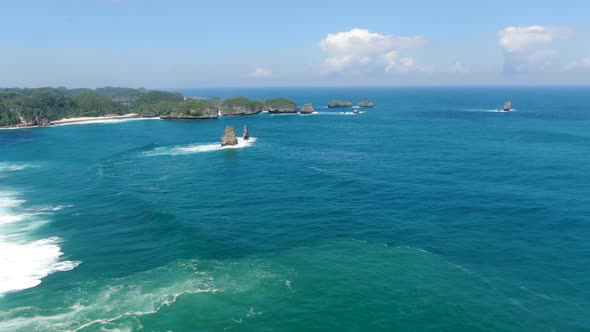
(91, 119)
(94, 118)
(83, 119)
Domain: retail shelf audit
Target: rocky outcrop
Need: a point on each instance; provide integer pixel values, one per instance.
(241, 106)
(246, 135)
(366, 103)
(307, 109)
(229, 136)
(280, 105)
(339, 103)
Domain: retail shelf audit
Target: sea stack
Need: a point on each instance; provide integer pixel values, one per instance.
(246, 134)
(307, 109)
(229, 136)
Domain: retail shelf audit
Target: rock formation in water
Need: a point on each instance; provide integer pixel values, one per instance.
(241, 106)
(339, 103)
(280, 105)
(229, 136)
(366, 103)
(307, 109)
(246, 135)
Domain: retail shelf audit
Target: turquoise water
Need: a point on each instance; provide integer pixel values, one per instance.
(429, 212)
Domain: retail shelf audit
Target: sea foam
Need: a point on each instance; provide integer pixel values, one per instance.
(196, 148)
(10, 167)
(24, 261)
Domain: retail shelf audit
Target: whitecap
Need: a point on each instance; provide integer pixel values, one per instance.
(11, 167)
(196, 148)
(25, 261)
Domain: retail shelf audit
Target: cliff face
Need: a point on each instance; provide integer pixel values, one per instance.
(229, 136)
(307, 109)
(240, 111)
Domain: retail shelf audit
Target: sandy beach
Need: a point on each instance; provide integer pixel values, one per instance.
(94, 118)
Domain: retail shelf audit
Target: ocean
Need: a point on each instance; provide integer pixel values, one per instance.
(428, 212)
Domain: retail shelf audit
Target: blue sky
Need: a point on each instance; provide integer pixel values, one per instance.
(173, 44)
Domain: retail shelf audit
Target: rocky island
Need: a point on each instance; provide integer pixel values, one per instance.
(339, 103)
(193, 109)
(279, 105)
(241, 106)
(366, 104)
(307, 109)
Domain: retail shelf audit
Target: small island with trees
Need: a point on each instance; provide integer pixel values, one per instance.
(339, 103)
(346, 104)
(23, 107)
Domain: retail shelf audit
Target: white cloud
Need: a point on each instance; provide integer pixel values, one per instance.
(514, 39)
(261, 73)
(582, 64)
(529, 49)
(359, 48)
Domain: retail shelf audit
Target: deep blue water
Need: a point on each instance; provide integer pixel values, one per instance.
(428, 212)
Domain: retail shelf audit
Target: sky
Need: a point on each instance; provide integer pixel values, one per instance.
(183, 44)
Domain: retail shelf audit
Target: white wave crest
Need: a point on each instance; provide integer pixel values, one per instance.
(10, 167)
(196, 148)
(118, 303)
(25, 261)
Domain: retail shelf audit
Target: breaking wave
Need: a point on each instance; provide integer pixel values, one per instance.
(24, 260)
(196, 148)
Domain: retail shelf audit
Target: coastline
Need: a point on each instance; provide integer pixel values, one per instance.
(82, 119)
(94, 118)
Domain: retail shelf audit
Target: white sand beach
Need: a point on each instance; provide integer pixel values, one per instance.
(95, 118)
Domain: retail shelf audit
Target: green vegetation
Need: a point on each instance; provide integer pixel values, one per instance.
(204, 108)
(38, 107)
(339, 103)
(241, 106)
(366, 103)
(156, 103)
(280, 104)
(93, 104)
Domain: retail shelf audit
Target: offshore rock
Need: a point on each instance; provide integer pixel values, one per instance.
(246, 135)
(366, 103)
(307, 109)
(229, 136)
(280, 105)
(339, 103)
